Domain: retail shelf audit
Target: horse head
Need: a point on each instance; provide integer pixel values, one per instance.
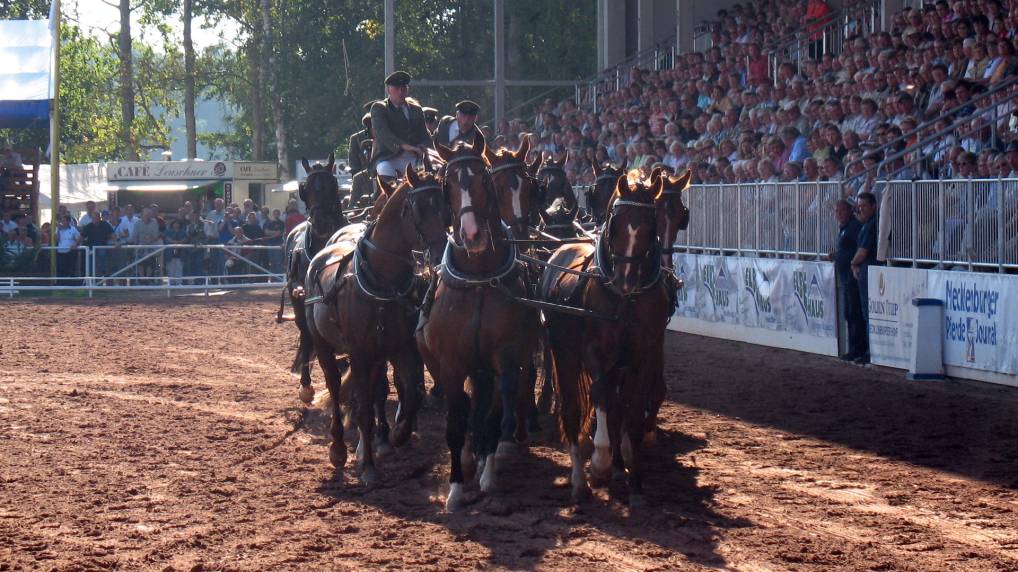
(320, 192)
(423, 212)
(672, 214)
(605, 178)
(629, 238)
(518, 193)
(555, 182)
(469, 192)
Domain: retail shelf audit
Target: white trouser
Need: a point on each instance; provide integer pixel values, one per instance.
(396, 166)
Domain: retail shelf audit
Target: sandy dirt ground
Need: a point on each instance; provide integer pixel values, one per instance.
(167, 435)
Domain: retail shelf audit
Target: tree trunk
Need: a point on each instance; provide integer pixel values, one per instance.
(192, 135)
(126, 82)
(270, 64)
(257, 98)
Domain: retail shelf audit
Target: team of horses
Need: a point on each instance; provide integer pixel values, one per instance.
(485, 271)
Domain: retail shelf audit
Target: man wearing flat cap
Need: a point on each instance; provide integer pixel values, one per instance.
(459, 128)
(398, 125)
(431, 119)
(359, 158)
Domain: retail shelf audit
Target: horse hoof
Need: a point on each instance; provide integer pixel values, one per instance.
(581, 493)
(637, 501)
(383, 449)
(601, 462)
(506, 450)
(371, 478)
(337, 456)
(455, 501)
(489, 475)
(650, 438)
(400, 434)
(307, 394)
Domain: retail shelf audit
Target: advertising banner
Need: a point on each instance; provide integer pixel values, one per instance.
(760, 296)
(892, 315)
(718, 296)
(687, 270)
(808, 299)
(980, 330)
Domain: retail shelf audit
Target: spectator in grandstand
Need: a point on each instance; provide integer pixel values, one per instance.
(293, 216)
(90, 214)
(7, 224)
(274, 228)
(234, 250)
(98, 233)
(147, 233)
(194, 259)
(865, 256)
(176, 233)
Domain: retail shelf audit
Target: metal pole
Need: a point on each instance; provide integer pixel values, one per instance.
(390, 37)
(54, 136)
(499, 60)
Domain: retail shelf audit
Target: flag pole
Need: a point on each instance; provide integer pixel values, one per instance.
(54, 136)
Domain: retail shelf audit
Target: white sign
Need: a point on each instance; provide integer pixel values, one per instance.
(763, 293)
(169, 170)
(255, 171)
(891, 313)
(980, 330)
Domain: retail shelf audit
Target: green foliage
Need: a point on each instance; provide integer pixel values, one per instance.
(24, 9)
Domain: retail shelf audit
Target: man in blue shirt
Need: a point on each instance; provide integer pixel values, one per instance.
(865, 256)
(845, 250)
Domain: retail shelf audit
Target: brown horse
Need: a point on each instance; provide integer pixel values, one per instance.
(366, 294)
(672, 216)
(519, 194)
(320, 192)
(600, 193)
(561, 206)
(474, 328)
(610, 366)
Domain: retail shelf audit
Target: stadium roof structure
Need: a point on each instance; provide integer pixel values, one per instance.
(26, 78)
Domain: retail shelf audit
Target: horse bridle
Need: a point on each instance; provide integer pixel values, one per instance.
(489, 191)
(409, 205)
(321, 208)
(535, 192)
(652, 253)
(670, 248)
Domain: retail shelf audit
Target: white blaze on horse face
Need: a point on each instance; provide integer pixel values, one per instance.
(518, 199)
(468, 222)
(631, 240)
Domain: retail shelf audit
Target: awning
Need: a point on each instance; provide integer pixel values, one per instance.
(25, 81)
(155, 186)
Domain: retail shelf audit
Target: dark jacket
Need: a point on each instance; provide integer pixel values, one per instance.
(392, 128)
(444, 129)
(846, 248)
(356, 157)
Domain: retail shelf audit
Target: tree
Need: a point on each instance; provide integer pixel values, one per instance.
(126, 53)
(189, 82)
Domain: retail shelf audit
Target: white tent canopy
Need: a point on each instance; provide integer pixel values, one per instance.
(78, 184)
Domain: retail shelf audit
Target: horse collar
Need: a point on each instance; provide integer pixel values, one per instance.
(368, 283)
(456, 277)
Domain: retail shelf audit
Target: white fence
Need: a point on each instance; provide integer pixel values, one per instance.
(958, 222)
(162, 267)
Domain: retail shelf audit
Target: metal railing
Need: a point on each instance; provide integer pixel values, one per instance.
(825, 36)
(971, 223)
(157, 267)
(761, 219)
(958, 222)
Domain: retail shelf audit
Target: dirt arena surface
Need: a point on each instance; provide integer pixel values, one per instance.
(167, 435)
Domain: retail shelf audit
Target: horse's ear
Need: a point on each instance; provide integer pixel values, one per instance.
(479, 145)
(521, 153)
(532, 167)
(655, 175)
(383, 186)
(622, 186)
(427, 161)
(659, 188)
(332, 161)
(625, 163)
(489, 155)
(597, 168)
(444, 152)
(411, 175)
(307, 166)
(682, 182)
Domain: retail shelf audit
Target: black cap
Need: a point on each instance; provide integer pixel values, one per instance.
(398, 79)
(430, 114)
(468, 107)
(366, 120)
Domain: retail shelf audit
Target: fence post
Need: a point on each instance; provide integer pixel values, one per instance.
(970, 221)
(798, 222)
(756, 209)
(914, 239)
(940, 222)
(999, 207)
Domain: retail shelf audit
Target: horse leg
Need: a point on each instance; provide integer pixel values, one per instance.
(489, 418)
(305, 352)
(564, 369)
(408, 373)
(509, 389)
(457, 415)
(534, 410)
(333, 381)
(380, 386)
(634, 417)
(600, 390)
(657, 397)
(363, 378)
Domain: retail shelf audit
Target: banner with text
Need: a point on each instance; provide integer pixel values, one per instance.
(892, 315)
(780, 295)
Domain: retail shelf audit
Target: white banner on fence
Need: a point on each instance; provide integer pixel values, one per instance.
(980, 330)
(756, 295)
(892, 315)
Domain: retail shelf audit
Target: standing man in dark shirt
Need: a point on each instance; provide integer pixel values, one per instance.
(847, 245)
(865, 256)
(98, 232)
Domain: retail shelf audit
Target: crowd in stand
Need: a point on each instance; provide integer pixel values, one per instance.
(729, 117)
(237, 227)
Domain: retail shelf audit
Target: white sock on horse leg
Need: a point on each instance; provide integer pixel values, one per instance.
(489, 477)
(602, 457)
